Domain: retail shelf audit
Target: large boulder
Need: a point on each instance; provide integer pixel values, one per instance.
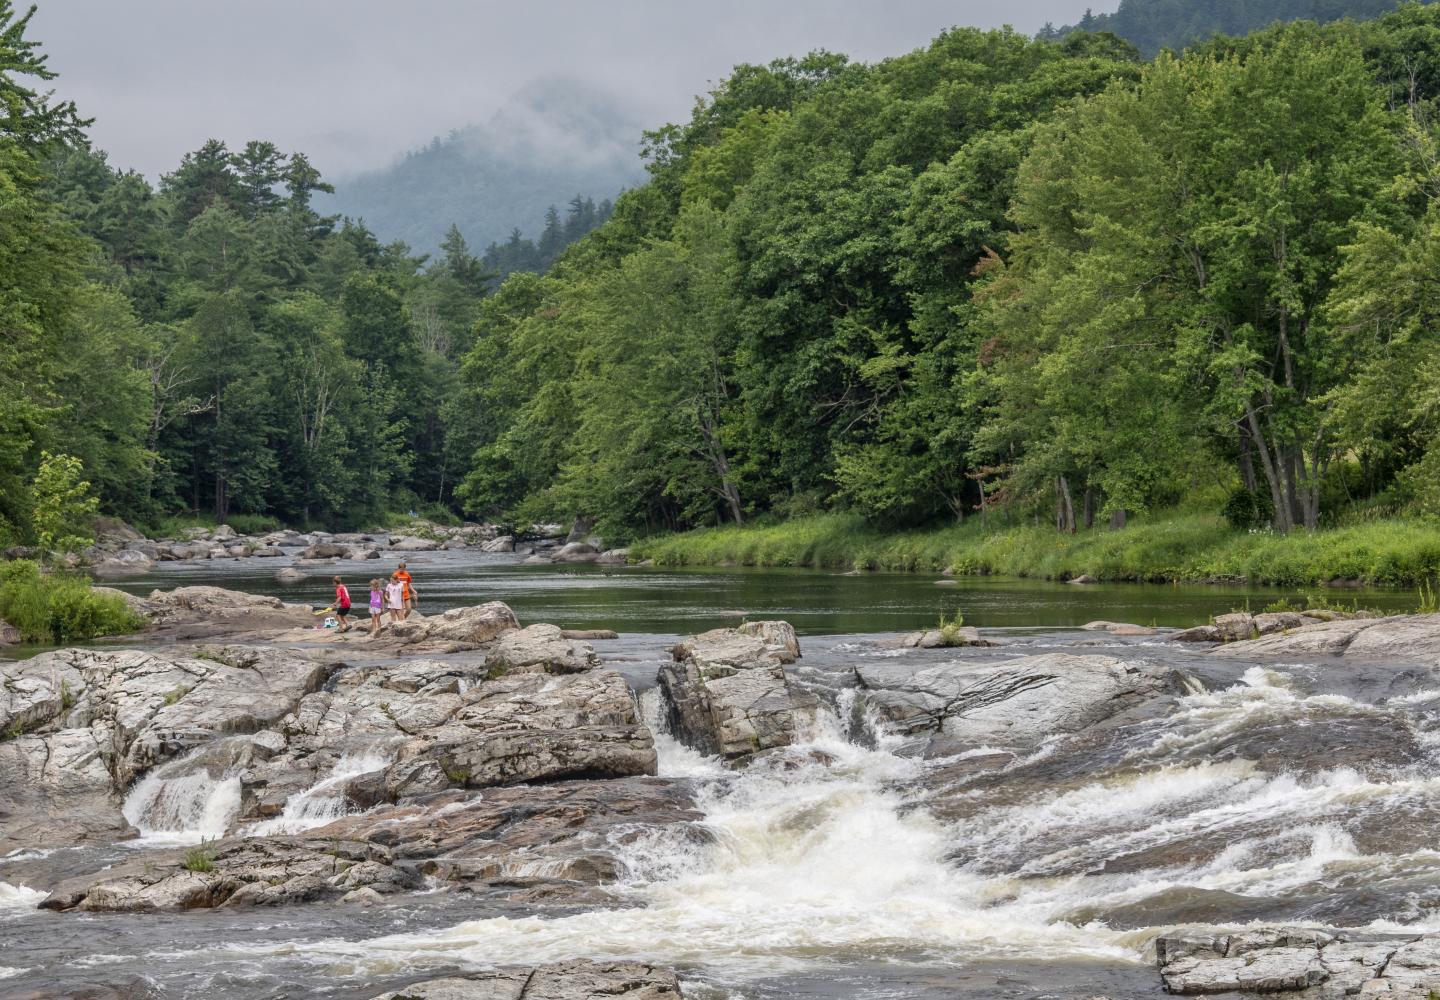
(577, 980)
(727, 693)
(127, 562)
(326, 550)
(541, 649)
(473, 626)
(412, 544)
(1399, 638)
(576, 552)
(1015, 704)
(502, 543)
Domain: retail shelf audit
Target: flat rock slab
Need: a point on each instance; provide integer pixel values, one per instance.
(553, 842)
(540, 649)
(581, 980)
(1308, 962)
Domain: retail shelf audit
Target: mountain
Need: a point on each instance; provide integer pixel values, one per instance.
(551, 142)
(1152, 25)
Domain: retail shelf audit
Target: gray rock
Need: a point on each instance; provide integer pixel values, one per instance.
(502, 543)
(410, 544)
(614, 557)
(9, 634)
(290, 575)
(268, 552)
(727, 693)
(473, 625)
(223, 533)
(361, 555)
(576, 552)
(129, 562)
(539, 649)
(1013, 705)
(577, 980)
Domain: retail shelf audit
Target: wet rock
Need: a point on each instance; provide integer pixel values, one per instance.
(590, 634)
(614, 557)
(1311, 962)
(290, 575)
(1012, 705)
(944, 638)
(363, 555)
(129, 562)
(727, 692)
(1083, 578)
(268, 552)
(326, 550)
(577, 980)
(239, 871)
(503, 543)
(576, 552)
(1120, 628)
(1403, 638)
(90, 721)
(411, 544)
(540, 649)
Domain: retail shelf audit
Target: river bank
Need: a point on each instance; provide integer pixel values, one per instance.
(1061, 814)
(1190, 548)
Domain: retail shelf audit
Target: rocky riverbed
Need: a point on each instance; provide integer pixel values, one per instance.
(472, 806)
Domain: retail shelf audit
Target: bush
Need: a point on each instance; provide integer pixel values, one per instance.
(64, 506)
(59, 608)
(1246, 509)
(200, 859)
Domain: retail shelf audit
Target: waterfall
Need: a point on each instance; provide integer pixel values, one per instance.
(323, 802)
(180, 802)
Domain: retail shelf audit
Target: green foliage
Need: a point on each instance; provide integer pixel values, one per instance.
(63, 506)
(200, 859)
(59, 608)
(1162, 547)
(1153, 25)
(949, 629)
(1245, 509)
(1429, 603)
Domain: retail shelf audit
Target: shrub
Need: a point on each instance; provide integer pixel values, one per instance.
(58, 607)
(200, 859)
(1246, 509)
(63, 507)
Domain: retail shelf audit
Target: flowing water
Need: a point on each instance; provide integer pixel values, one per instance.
(851, 866)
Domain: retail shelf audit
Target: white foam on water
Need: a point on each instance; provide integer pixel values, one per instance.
(10, 971)
(820, 858)
(674, 759)
(19, 897)
(323, 802)
(174, 804)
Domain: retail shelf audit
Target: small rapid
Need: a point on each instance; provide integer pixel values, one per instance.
(182, 803)
(323, 802)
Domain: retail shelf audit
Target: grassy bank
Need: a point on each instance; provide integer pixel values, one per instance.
(58, 607)
(1187, 547)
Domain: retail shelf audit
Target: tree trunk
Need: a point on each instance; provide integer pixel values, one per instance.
(1064, 506)
(1118, 518)
(1089, 505)
(1247, 464)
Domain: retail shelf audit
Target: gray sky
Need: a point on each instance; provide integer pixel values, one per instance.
(353, 83)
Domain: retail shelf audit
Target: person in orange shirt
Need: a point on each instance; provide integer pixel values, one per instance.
(403, 575)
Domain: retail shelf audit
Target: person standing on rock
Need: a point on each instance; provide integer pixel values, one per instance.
(403, 575)
(395, 599)
(377, 606)
(342, 604)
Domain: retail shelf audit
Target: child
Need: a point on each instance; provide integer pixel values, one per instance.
(403, 575)
(377, 606)
(395, 600)
(342, 604)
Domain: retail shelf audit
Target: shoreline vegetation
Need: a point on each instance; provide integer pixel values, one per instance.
(1173, 548)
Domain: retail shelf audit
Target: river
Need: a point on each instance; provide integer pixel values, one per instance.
(861, 869)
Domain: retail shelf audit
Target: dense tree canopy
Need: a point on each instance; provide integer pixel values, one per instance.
(996, 272)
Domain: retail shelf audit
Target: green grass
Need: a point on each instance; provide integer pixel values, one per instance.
(59, 607)
(1173, 548)
(200, 859)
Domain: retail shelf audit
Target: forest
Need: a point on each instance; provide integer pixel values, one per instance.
(1045, 280)
(1152, 25)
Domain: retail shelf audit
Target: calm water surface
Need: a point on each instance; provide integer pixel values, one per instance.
(816, 602)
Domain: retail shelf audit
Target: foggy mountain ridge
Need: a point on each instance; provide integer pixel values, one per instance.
(553, 140)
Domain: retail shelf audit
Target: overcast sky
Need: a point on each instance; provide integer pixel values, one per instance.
(356, 82)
